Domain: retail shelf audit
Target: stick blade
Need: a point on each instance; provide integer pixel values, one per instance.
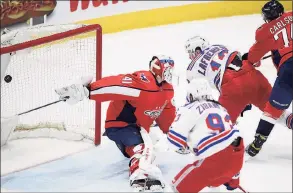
(8, 125)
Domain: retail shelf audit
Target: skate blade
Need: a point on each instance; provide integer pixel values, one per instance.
(247, 157)
(156, 188)
(138, 189)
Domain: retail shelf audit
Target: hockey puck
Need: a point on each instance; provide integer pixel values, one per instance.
(7, 78)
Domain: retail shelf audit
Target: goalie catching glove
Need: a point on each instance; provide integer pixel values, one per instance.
(76, 92)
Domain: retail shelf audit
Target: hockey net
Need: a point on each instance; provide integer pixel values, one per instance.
(44, 58)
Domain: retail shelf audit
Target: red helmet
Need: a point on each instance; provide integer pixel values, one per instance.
(235, 58)
(162, 67)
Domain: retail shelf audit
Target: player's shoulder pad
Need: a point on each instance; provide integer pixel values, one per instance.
(260, 32)
(143, 80)
(288, 13)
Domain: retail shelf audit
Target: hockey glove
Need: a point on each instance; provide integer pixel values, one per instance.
(245, 57)
(183, 150)
(76, 92)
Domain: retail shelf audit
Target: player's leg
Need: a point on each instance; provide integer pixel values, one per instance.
(212, 171)
(262, 96)
(232, 96)
(131, 144)
(129, 141)
(280, 99)
(192, 178)
(286, 119)
(126, 139)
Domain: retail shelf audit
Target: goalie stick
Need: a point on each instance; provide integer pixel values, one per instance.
(8, 124)
(40, 107)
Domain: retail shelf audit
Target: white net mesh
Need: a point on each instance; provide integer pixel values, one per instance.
(37, 71)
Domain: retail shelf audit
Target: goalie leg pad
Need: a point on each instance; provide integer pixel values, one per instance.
(136, 153)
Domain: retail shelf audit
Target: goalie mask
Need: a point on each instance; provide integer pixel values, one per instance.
(195, 45)
(198, 89)
(162, 68)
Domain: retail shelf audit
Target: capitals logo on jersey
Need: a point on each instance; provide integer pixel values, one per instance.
(155, 113)
(144, 78)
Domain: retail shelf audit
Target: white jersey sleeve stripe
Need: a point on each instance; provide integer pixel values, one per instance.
(117, 90)
(176, 138)
(217, 140)
(174, 143)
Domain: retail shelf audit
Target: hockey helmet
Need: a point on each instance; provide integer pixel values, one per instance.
(198, 89)
(272, 10)
(235, 58)
(162, 68)
(195, 46)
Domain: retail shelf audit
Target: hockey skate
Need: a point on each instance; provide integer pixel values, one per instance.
(142, 182)
(147, 185)
(254, 148)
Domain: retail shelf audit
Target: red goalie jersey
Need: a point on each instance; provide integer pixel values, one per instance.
(135, 99)
(275, 36)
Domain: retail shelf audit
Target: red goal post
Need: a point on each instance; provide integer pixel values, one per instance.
(51, 40)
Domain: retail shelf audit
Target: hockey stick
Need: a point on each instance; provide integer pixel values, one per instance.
(242, 189)
(8, 124)
(41, 107)
(266, 57)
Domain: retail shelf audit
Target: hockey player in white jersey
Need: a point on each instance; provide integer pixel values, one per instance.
(238, 82)
(204, 126)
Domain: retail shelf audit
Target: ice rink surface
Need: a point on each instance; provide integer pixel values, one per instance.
(103, 168)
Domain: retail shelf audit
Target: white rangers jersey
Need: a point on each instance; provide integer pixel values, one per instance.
(211, 64)
(204, 126)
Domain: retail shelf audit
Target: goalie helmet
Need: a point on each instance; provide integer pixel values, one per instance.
(195, 46)
(162, 68)
(198, 89)
(272, 10)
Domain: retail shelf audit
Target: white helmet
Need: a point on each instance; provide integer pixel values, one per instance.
(198, 89)
(195, 45)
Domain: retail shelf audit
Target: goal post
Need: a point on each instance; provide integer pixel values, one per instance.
(43, 58)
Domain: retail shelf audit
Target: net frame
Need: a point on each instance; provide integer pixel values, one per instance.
(97, 29)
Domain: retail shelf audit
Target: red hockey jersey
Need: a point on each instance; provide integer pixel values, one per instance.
(135, 99)
(275, 36)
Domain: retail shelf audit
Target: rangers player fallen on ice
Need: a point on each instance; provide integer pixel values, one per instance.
(137, 100)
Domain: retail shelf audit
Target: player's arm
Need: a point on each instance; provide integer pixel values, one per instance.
(120, 87)
(179, 130)
(260, 47)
